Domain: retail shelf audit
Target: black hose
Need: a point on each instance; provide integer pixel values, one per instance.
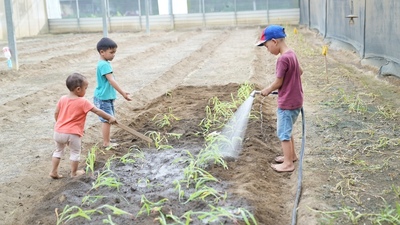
(300, 173)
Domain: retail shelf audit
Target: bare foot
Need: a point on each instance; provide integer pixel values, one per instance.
(78, 173)
(279, 159)
(282, 168)
(55, 176)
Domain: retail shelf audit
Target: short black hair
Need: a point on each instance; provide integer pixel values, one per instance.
(75, 80)
(105, 44)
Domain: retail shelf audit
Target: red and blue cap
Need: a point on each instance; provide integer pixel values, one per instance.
(271, 32)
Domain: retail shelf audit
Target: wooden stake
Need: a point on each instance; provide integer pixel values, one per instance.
(134, 132)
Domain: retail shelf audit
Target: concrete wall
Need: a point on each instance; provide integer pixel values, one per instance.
(29, 16)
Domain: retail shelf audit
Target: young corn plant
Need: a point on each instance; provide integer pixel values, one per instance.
(234, 215)
(166, 119)
(115, 210)
(148, 206)
(108, 221)
(91, 160)
(71, 212)
(159, 140)
(89, 200)
(107, 178)
(206, 192)
(131, 157)
(243, 93)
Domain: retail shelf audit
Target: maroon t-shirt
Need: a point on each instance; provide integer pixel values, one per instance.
(290, 94)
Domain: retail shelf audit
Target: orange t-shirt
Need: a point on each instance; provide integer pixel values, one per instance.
(72, 115)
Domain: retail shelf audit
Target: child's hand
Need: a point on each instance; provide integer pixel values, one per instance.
(112, 120)
(265, 92)
(127, 97)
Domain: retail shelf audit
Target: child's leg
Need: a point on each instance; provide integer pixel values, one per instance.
(293, 153)
(105, 129)
(75, 148)
(287, 165)
(61, 141)
(74, 169)
(108, 107)
(54, 171)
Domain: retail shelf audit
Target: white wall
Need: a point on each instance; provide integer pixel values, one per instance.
(178, 6)
(29, 16)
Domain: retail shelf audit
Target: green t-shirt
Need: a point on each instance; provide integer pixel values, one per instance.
(104, 90)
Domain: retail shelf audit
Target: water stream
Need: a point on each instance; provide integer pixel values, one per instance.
(233, 132)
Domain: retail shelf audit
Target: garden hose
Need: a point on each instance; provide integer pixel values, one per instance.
(300, 173)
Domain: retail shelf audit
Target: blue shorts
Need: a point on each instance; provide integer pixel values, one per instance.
(285, 120)
(105, 105)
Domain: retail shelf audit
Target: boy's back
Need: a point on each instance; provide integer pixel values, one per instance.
(291, 91)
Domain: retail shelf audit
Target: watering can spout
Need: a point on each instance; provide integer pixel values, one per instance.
(253, 94)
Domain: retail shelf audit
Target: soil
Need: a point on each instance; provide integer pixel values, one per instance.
(351, 160)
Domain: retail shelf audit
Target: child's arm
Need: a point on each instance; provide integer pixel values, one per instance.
(104, 115)
(272, 87)
(56, 113)
(114, 83)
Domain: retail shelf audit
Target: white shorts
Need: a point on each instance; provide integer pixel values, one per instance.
(73, 141)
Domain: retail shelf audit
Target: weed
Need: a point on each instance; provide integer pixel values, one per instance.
(387, 112)
(396, 190)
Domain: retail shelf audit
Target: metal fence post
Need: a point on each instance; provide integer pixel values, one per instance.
(326, 18)
(147, 16)
(171, 13)
(103, 8)
(140, 14)
(364, 29)
(77, 14)
(10, 33)
(267, 11)
(235, 7)
(204, 13)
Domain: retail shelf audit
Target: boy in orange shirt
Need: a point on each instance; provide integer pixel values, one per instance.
(70, 116)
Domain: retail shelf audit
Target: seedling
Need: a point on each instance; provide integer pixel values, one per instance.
(166, 119)
(108, 220)
(148, 206)
(115, 210)
(205, 192)
(234, 215)
(158, 140)
(71, 212)
(88, 199)
(90, 160)
(107, 178)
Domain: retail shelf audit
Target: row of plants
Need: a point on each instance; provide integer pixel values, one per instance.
(197, 183)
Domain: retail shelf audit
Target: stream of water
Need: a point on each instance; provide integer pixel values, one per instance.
(233, 132)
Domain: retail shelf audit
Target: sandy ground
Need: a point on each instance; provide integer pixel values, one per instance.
(343, 155)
